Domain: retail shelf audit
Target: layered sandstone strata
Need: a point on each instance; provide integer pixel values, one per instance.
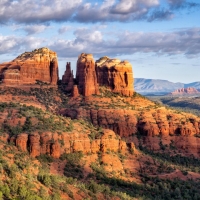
(86, 75)
(40, 64)
(54, 145)
(116, 75)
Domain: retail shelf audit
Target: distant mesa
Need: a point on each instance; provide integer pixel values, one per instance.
(160, 87)
(40, 64)
(185, 91)
(114, 74)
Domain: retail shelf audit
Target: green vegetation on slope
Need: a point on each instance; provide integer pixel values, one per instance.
(185, 104)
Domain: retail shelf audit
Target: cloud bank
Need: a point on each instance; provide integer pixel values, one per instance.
(46, 11)
(184, 41)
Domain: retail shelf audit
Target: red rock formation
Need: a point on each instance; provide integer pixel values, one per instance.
(75, 92)
(86, 76)
(186, 145)
(55, 145)
(115, 74)
(68, 78)
(21, 141)
(185, 91)
(40, 64)
(67, 74)
(112, 163)
(126, 123)
(109, 119)
(34, 145)
(55, 150)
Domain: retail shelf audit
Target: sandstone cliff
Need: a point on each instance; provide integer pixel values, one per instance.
(86, 76)
(45, 133)
(116, 75)
(55, 144)
(132, 116)
(68, 78)
(40, 64)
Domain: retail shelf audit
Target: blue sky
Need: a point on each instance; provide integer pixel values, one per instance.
(161, 38)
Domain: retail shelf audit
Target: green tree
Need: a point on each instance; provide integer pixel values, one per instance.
(27, 125)
(47, 180)
(5, 190)
(23, 191)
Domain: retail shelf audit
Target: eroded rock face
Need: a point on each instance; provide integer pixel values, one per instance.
(40, 64)
(187, 145)
(34, 144)
(115, 74)
(125, 122)
(21, 141)
(68, 78)
(54, 145)
(86, 75)
(75, 92)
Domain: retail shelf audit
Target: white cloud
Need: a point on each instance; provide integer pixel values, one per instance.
(185, 42)
(88, 35)
(130, 6)
(34, 29)
(30, 29)
(64, 29)
(93, 40)
(39, 11)
(27, 11)
(17, 45)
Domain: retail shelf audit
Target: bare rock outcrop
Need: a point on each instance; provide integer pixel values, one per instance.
(40, 64)
(75, 92)
(55, 145)
(68, 78)
(86, 75)
(21, 141)
(116, 75)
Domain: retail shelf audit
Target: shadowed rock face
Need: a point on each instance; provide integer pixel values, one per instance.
(86, 75)
(115, 74)
(68, 78)
(40, 64)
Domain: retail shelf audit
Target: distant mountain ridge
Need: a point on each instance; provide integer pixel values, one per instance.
(158, 86)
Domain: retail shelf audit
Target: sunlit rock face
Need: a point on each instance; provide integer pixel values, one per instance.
(40, 64)
(86, 75)
(116, 75)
